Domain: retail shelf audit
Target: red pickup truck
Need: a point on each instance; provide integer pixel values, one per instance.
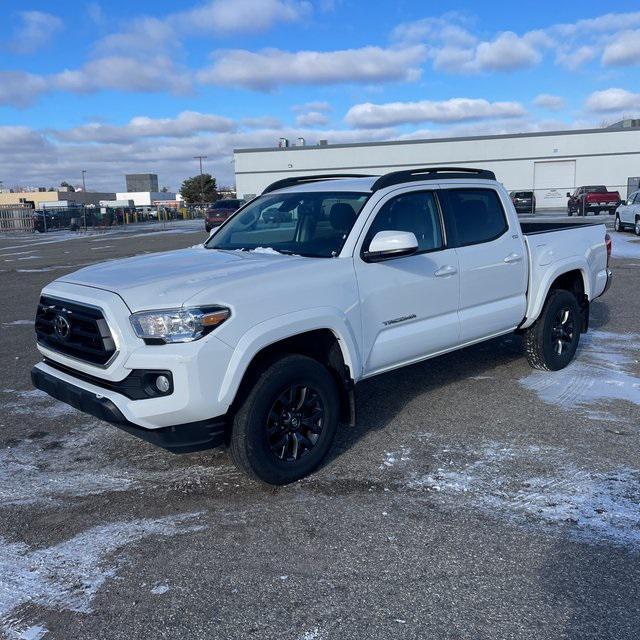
(594, 198)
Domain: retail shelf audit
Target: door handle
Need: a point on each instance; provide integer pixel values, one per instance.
(445, 271)
(513, 257)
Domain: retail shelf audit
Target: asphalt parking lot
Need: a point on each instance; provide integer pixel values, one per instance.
(475, 498)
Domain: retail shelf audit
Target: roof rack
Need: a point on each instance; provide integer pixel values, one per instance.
(290, 182)
(430, 173)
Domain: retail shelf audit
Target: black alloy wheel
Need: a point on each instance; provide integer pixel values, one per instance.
(563, 330)
(295, 422)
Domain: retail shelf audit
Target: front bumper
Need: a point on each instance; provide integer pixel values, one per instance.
(183, 438)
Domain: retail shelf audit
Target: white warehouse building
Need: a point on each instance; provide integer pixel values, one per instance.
(550, 163)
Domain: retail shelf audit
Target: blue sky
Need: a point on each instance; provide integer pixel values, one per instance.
(117, 87)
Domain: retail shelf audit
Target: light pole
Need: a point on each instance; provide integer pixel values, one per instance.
(201, 158)
(84, 205)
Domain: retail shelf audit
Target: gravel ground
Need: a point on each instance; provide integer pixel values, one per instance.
(475, 498)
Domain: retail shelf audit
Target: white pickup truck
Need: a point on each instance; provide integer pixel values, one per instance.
(256, 338)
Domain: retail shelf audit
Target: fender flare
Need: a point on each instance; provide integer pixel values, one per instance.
(575, 263)
(280, 328)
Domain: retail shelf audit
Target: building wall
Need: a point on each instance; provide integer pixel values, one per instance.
(599, 156)
(80, 197)
(142, 182)
(145, 198)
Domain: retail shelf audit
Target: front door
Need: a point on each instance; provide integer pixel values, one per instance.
(409, 304)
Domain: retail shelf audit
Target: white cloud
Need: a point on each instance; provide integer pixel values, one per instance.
(549, 101)
(36, 29)
(507, 52)
(613, 99)
(270, 68)
(312, 106)
(238, 16)
(184, 124)
(312, 119)
(146, 35)
(124, 73)
(19, 88)
(573, 58)
(443, 29)
(453, 110)
(262, 122)
(624, 50)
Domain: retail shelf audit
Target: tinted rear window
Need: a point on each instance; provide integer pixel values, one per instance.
(473, 216)
(522, 194)
(227, 204)
(596, 189)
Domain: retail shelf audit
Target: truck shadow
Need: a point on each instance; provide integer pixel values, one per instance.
(380, 399)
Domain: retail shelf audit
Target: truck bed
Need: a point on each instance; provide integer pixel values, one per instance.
(531, 228)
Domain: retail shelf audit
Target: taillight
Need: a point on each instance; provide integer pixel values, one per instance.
(608, 242)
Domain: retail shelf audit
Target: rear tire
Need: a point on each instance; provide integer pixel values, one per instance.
(281, 432)
(551, 342)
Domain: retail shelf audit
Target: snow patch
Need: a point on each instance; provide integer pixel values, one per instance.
(537, 486)
(605, 371)
(160, 589)
(16, 323)
(68, 575)
(625, 245)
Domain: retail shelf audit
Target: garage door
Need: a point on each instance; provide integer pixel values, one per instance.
(551, 181)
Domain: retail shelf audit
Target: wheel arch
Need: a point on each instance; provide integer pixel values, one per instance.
(324, 340)
(571, 277)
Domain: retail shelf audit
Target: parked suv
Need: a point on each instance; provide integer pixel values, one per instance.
(523, 201)
(217, 213)
(594, 198)
(261, 334)
(628, 214)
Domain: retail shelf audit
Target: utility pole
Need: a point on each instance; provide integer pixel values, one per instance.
(201, 158)
(84, 188)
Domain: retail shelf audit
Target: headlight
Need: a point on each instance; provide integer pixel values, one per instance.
(178, 325)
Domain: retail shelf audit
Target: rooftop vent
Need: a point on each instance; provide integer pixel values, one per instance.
(323, 143)
(283, 143)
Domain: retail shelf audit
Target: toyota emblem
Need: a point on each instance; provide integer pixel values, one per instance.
(62, 327)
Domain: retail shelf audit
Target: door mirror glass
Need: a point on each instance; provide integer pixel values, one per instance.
(391, 244)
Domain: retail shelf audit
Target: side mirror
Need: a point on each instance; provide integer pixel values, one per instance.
(568, 195)
(391, 244)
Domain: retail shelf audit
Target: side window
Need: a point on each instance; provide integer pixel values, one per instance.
(637, 198)
(473, 216)
(416, 212)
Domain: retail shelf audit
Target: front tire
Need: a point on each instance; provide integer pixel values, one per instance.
(617, 225)
(285, 426)
(551, 342)
(636, 227)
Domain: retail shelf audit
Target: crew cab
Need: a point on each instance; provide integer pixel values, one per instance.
(628, 214)
(260, 334)
(594, 198)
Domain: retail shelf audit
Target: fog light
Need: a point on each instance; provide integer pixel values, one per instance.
(162, 384)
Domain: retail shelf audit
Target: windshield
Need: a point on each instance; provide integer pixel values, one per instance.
(314, 224)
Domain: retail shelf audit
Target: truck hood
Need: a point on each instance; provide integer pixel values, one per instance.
(168, 280)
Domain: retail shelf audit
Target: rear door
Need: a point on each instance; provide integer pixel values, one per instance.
(491, 259)
(409, 304)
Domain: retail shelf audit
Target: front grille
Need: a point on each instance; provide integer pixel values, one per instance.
(74, 329)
